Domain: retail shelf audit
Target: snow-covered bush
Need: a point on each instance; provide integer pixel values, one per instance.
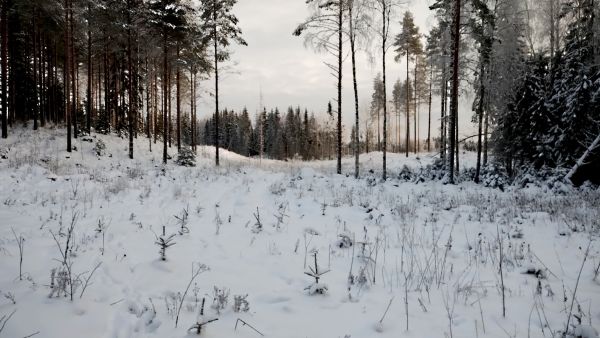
(344, 242)
(406, 174)
(186, 158)
(545, 177)
(240, 303)
(220, 299)
(494, 176)
(432, 172)
(100, 148)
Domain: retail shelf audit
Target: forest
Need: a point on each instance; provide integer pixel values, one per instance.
(133, 68)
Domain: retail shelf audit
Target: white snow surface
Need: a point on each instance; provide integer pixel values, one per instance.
(433, 248)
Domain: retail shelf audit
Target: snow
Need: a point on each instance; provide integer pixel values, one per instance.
(436, 244)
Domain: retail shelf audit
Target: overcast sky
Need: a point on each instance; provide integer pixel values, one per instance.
(290, 73)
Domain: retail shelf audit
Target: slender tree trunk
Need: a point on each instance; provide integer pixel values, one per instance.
(132, 101)
(90, 76)
(480, 106)
(355, 86)
(444, 119)
(216, 51)
(4, 32)
(66, 76)
(169, 106)
(378, 128)
(552, 39)
(339, 110)
(149, 99)
(192, 118)
(164, 83)
(42, 78)
(429, 115)
(485, 140)
(454, 95)
(73, 68)
(407, 106)
(155, 105)
(415, 91)
(35, 73)
(383, 50)
(178, 99)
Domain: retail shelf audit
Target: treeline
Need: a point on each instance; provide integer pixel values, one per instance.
(125, 66)
(295, 134)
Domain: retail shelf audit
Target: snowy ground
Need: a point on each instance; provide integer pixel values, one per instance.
(432, 250)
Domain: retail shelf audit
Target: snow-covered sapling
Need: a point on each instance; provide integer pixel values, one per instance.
(258, 226)
(101, 230)
(316, 287)
(201, 322)
(220, 299)
(20, 243)
(11, 297)
(100, 148)
(182, 221)
(281, 215)
(218, 221)
(312, 232)
(66, 281)
(186, 157)
(164, 242)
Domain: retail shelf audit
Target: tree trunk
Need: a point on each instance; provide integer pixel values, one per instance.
(383, 50)
(454, 95)
(355, 86)
(216, 51)
(429, 115)
(35, 73)
(90, 76)
(132, 101)
(485, 140)
(416, 142)
(178, 102)
(73, 68)
(164, 83)
(339, 111)
(480, 106)
(4, 33)
(193, 108)
(407, 106)
(66, 77)
(149, 98)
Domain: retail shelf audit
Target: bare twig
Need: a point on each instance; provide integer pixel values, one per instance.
(246, 324)
(587, 251)
(87, 280)
(201, 269)
(386, 311)
(4, 319)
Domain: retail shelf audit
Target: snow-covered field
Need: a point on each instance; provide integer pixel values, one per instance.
(430, 252)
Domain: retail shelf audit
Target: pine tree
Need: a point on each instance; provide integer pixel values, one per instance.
(217, 18)
(407, 43)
